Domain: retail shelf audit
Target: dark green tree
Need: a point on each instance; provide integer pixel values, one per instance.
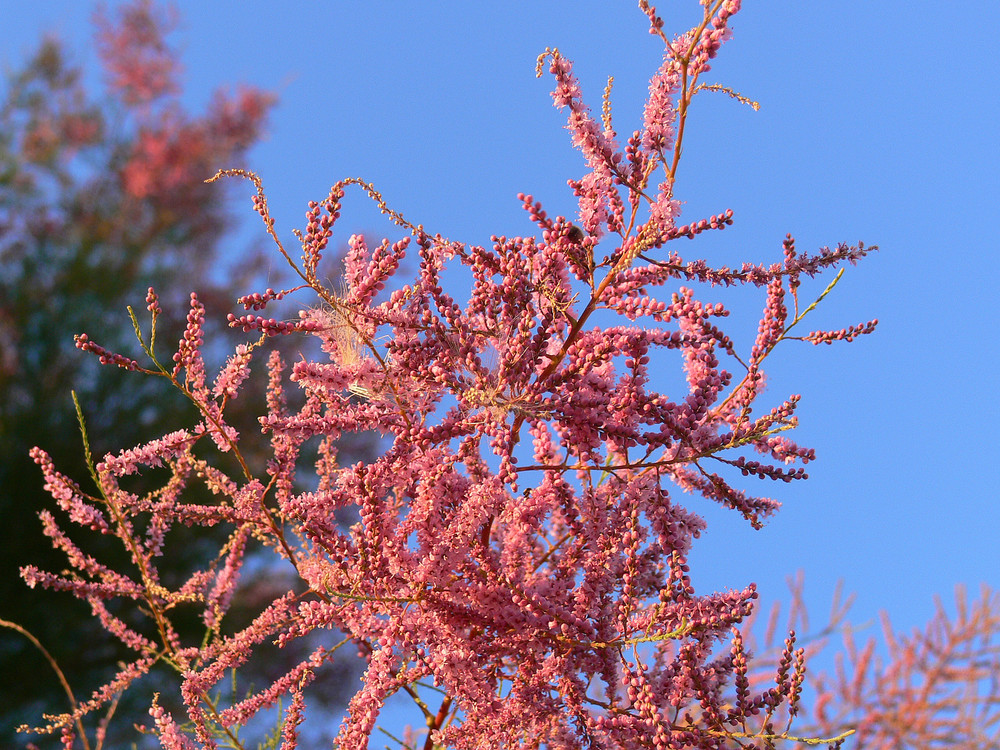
(101, 196)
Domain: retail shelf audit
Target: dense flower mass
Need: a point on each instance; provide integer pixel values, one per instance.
(518, 557)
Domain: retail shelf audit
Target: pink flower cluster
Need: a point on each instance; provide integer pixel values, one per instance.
(172, 151)
(519, 549)
(135, 53)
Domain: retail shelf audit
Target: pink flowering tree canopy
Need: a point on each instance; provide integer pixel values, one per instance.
(517, 562)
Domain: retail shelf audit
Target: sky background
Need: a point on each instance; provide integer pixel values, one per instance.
(878, 123)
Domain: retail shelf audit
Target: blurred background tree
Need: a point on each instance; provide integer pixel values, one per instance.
(933, 688)
(100, 198)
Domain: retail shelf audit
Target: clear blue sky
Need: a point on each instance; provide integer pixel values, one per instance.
(878, 123)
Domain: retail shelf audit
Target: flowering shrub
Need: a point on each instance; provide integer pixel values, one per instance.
(518, 560)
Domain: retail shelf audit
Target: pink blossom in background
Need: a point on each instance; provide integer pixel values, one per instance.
(140, 65)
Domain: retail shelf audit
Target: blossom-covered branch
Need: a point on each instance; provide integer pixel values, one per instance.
(520, 549)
